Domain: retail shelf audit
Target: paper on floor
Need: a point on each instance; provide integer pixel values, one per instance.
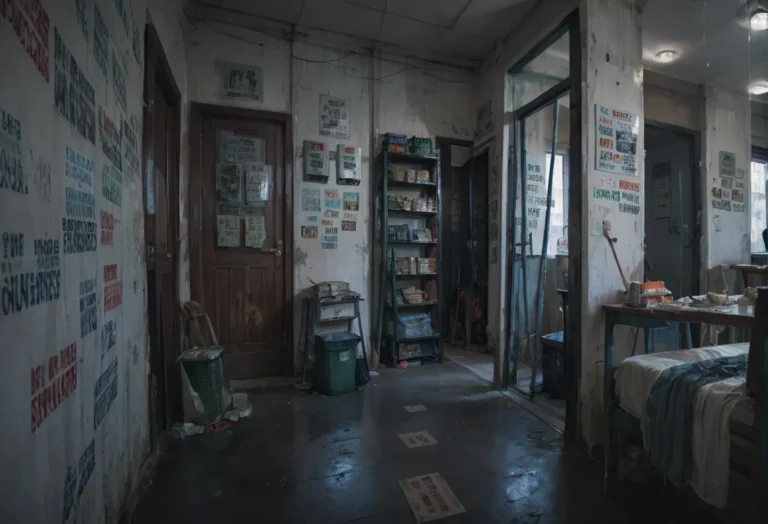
(430, 497)
(418, 439)
(416, 407)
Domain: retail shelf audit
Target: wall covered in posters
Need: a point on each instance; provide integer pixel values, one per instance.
(73, 386)
(332, 98)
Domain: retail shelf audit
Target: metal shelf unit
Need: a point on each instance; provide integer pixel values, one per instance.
(392, 348)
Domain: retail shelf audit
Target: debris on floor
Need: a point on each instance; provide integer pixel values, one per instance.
(415, 408)
(241, 407)
(430, 497)
(418, 439)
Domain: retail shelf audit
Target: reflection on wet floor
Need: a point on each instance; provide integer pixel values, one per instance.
(309, 458)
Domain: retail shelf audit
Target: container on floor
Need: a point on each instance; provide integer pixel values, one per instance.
(336, 354)
(207, 378)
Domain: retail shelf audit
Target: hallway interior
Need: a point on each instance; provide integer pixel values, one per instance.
(307, 458)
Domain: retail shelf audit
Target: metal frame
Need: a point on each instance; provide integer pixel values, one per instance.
(385, 158)
(572, 335)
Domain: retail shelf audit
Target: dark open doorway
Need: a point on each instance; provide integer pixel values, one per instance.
(160, 176)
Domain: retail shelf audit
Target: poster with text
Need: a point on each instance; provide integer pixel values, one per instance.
(228, 230)
(310, 200)
(351, 201)
(228, 182)
(257, 184)
(334, 117)
(615, 141)
(255, 231)
(241, 81)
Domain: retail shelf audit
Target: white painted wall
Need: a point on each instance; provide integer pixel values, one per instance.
(613, 79)
(393, 95)
(726, 233)
(69, 466)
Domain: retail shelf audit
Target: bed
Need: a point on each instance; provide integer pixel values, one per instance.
(720, 431)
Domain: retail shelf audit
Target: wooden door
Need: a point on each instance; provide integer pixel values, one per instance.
(241, 276)
(161, 220)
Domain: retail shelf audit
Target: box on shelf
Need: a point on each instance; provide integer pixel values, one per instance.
(395, 143)
(399, 233)
(427, 265)
(411, 326)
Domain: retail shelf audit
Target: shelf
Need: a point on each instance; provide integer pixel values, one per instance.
(407, 157)
(418, 185)
(412, 242)
(339, 319)
(413, 213)
(412, 339)
(426, 303)
(413, 275)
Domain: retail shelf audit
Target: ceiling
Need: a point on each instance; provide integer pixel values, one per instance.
(712, 40)
(467, 29)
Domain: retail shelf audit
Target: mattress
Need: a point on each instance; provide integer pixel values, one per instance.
(715, 407)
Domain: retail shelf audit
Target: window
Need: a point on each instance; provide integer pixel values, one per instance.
(759, 177)
(558, 221)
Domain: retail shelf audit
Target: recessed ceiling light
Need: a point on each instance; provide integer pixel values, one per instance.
(759, 21)
(666, 56)
(759, 89)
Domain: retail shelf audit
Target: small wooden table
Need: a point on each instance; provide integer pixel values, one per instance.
(749, 269)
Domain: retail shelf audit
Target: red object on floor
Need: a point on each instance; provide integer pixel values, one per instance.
(219, 426)
(403, 364)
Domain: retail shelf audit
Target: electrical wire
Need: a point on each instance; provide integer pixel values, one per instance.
(300, 59)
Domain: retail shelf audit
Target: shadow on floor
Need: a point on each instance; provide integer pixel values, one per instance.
(308, 458)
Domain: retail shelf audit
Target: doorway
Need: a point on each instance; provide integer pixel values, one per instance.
(544, 207)
(161, 140)
(672, 204)
(241, 260)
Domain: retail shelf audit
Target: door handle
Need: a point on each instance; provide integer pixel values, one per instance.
(272, 250)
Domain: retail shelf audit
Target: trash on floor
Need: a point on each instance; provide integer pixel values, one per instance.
(415, 408)
(417, 439)
(430, 497)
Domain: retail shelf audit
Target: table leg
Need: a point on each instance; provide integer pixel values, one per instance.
(611, 451)
(688, 339)
(648, 340)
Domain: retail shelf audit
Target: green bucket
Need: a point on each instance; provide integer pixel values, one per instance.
(207, 377)
(336, 354)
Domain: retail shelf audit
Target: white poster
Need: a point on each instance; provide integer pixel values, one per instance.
(241, 81)
(615, 141)
(334, 117)
(228, 182)
(255, 231)
(228, 230)
(430, 497)
(257, 184)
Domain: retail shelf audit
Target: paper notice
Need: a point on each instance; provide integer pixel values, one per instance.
(257, 184)
(430, 497)
(228, 230)
(255, 231)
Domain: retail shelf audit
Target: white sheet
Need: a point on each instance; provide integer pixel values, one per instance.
(713, 406)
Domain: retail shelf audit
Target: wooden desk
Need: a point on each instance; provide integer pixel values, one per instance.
(749, 269)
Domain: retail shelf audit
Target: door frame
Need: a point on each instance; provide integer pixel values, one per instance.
(695, 138)
(570, 24)
(198, 111)
(157, 70)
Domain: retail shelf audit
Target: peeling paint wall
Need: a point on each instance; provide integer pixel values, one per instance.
(73, 385)
(613, 78)
(393, 95)
(726, 231)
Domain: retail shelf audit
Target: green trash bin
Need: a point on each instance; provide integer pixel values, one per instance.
(335, 354)
(208, 379)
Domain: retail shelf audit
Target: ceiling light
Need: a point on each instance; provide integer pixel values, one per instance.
(666, 56)
(759, 89)
(759, 21)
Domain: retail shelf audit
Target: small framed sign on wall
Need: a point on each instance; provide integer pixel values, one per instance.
(241, 81)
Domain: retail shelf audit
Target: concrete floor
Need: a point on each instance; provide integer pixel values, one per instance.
(307, 458)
